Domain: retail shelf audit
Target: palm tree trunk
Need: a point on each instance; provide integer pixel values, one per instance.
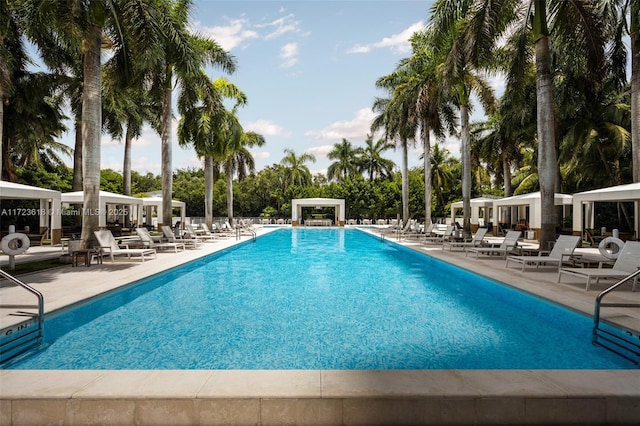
(405, 183)
(91, 130)
(126, 166)
(1, 128)
(76, 185)
(506, 173)
(427, 173)
(465, 153)
(167, 172)
(208, 191)
(635, 99)
(547, 163)
(229, 172)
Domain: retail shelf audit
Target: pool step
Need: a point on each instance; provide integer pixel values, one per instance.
(622, 342)
(18, 339)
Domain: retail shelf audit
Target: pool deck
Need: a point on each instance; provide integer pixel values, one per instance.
(332, 397)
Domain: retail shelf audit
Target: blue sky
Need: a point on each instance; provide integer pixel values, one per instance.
(308, 69)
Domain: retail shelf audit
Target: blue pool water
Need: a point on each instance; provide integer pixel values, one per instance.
(319, 299)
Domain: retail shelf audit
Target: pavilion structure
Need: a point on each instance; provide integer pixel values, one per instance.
(297, 206)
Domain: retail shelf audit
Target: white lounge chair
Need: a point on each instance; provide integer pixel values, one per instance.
(217, 233)
(110, 247)
(199, 234)
(441, 238)
(627, 262)
(149, 242)
(561, 252)
(509, 243)
(188, 242)
(476, 241)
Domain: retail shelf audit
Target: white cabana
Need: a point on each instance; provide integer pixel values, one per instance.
(527, 207)
(583, 205)
(111, 206)
(298, 204)
(155, 203)
(49, 211)
(481, 211)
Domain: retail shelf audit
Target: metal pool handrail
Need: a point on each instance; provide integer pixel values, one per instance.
(611, 338)
(40, 317)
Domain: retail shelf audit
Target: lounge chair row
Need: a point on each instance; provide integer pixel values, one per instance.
(561, 254)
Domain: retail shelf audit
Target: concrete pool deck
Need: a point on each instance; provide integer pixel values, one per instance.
(313, 396)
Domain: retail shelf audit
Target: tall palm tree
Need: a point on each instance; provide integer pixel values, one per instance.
(434, 109)
(346, 157)
(82, 26)
(371, 160)
(575, 24)
(203, 124)
(182, 57)
(460, 74)
(297, 172)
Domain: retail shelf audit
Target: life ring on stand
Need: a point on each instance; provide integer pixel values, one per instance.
(14, 244)
(607, 248)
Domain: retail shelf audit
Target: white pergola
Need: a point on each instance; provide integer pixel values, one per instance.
(151, 203)
(584, 204)
(479, 205)
(50, 211)
(108, 204)
(299, 203)
(527, 206)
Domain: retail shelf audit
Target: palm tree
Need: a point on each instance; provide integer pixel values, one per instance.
(459, 73)
(83, 26)
(442, 173)
(371, 160)
(182, 57)
(576, 25)
(434, 109)
(346, 157)
(202, 124)
(297, 172)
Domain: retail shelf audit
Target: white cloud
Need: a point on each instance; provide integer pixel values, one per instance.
(320, 151)
(231, 35)
(280, 26)
(262, 155)
(358, 127)
(289, 53)
(396, 42)
(265, 128)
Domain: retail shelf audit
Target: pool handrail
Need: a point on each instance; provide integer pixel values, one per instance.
(617, 341)
(23, 342)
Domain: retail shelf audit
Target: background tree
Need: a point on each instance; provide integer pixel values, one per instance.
(297, 173)
(346, 161)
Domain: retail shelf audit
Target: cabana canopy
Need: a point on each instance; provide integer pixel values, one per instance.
(612, 194)
(298, 204)
(49, 204)
(106, 199)
(156, 202)
(477, 205)
(526, 206)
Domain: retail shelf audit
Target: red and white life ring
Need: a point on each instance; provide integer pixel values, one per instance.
(14, 244)
(610, 247)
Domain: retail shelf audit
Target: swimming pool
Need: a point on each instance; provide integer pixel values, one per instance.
(319, 299)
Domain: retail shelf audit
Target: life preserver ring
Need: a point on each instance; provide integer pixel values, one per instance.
(14, 244)
(606, 247)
